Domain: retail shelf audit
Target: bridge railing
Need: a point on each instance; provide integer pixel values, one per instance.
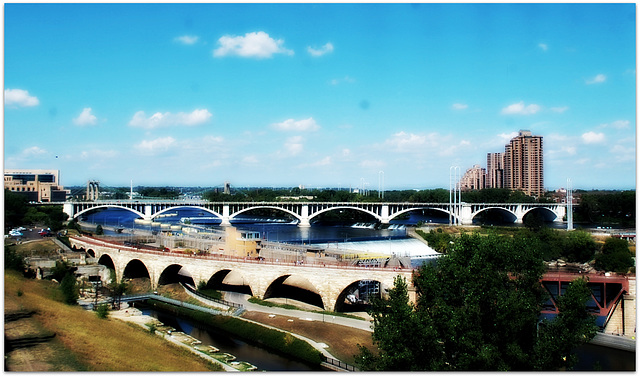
(222, 257)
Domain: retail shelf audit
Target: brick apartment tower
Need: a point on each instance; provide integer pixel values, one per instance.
(523, 164)
(495, 170)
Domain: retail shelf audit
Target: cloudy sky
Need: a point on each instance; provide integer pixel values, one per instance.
(321, 95)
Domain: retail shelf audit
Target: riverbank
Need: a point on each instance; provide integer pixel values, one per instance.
(135, 316)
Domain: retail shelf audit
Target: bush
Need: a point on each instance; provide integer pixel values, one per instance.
(102, 311)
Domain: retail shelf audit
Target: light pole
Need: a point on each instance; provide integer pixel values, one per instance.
(454, 195)
(381, 184)
(569, 204)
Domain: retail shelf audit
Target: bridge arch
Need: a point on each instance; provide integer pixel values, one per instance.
(295, 287)
(546, 213)
(204, 209)
(171, 274)
(233, 215)
(356, 296)
(396, 214)
(375, 215)
(229, 280)
(512, 215)
(106, 206)
(136, 269)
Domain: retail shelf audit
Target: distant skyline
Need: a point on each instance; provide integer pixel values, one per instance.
(320, 95)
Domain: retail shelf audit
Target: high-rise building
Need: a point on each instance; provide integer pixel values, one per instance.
(523, 164)
(495, 170)
(36, 185)
(473, 179)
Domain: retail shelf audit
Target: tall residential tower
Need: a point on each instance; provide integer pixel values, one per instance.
(523, 164)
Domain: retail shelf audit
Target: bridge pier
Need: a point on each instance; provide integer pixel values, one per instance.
(384, 214)
(304, 217)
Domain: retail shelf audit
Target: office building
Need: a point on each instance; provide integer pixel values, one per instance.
(36, 185)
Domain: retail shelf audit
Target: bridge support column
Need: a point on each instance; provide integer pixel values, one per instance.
(465, 215)
(68, 208)
(561, 212)
(225, 215)
(519, 212)
(384, 214)
(147, 212)
(304, 216)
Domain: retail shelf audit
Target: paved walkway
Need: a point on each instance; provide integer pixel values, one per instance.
(242, 299)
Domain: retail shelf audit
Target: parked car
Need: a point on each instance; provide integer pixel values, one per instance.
(15, 233)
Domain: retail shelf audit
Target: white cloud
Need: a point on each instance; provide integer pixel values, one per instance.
(327, 48)
(372, 164)
(346, 79)
(187, 39)
(560, 109)
(543, 46)
(19, 98)
(592, 137)
(521, 109)
(410, 142)
(459, 106)
(294, 145)
(85, 118)
(599, 78)
(251, 160)
(297, 125)
(158, 145)
(624, 153)
(98, 154)
(618, 124)
(33, 152)
(505, 138)
(158, 120)
(252, 45)
(324, 162)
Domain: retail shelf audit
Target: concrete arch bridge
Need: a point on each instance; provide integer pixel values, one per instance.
(304, 212)
(323, 286)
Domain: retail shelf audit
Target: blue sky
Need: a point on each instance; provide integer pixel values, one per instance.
(320, 95)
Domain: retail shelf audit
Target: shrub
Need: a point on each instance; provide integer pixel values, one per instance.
(102, 311)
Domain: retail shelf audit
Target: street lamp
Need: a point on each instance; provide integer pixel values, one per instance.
(454, 194)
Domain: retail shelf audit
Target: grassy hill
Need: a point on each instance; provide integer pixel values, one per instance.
(44, 334)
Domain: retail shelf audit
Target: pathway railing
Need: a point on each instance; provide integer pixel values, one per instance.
(340, 364)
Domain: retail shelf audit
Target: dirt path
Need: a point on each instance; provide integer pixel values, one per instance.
(341, 340)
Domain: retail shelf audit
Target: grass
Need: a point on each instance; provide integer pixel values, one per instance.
(85, 342)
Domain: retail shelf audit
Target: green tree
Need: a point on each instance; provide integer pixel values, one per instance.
(578, 246)
(615, 256)
(477, 309)
(573, 326)
(15, 206)
(69, 288)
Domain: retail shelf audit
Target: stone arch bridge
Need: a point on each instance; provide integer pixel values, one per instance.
(305, 211)
(326, 286)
